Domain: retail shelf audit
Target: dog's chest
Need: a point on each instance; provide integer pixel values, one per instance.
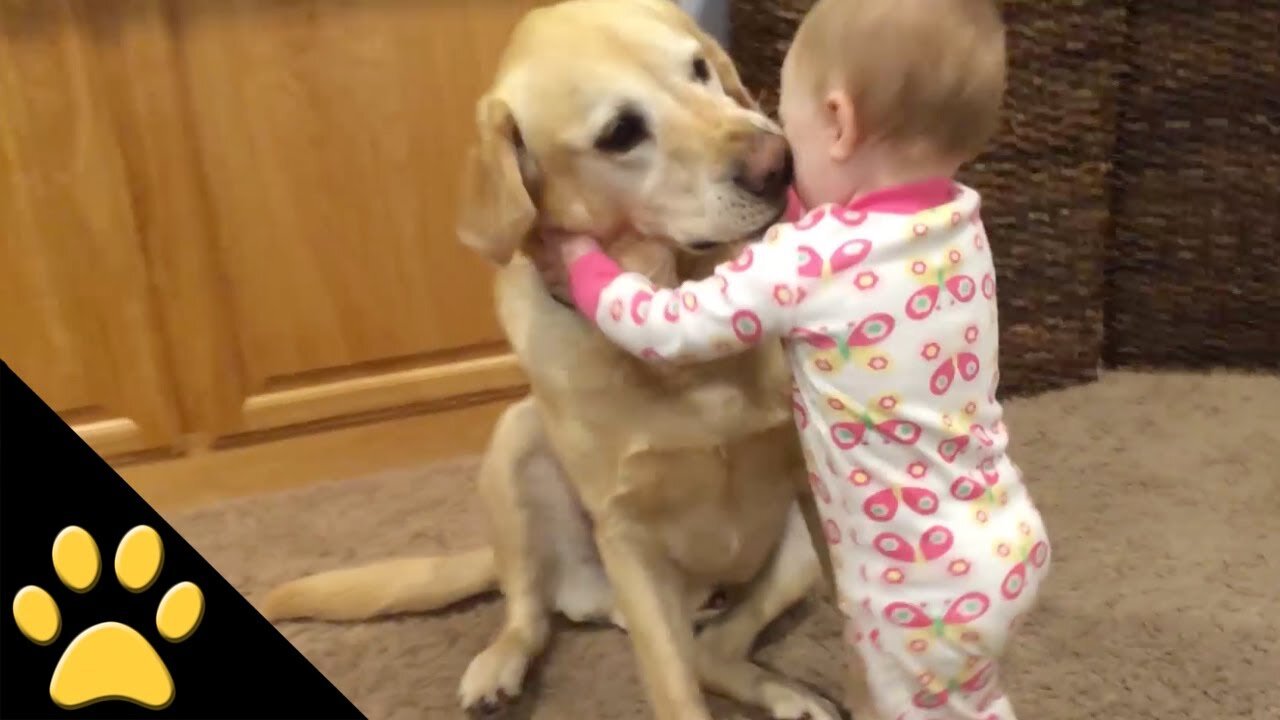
(718, 509)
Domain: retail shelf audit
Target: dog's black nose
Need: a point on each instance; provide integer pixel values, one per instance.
(767, 169)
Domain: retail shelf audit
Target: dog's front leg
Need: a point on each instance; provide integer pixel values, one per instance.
(650, 595)
(724, 646)
(790, 576)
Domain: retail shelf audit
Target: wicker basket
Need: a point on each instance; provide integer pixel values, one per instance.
(1193, 277)
(1044, 180)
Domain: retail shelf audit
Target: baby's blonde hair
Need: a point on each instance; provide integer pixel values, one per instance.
(925, 73)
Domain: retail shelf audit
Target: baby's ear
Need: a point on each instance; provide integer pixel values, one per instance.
(843, 119)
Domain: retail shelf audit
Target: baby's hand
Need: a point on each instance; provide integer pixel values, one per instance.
(573, 247)
(557, 251)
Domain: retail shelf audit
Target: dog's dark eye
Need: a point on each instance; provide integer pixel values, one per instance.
(627, 130)
(701, 71)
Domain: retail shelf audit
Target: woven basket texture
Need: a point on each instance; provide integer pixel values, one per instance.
(1193, 278)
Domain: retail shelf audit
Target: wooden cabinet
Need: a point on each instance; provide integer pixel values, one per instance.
(220, 218)
(78, 314)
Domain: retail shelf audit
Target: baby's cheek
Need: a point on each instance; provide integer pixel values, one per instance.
(808, 171)
(795, 208)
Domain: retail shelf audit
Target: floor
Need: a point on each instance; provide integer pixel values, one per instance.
(1162, 495)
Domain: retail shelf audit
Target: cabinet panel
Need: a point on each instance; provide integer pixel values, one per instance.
(77, 318)
(228, 217)
(329, 137)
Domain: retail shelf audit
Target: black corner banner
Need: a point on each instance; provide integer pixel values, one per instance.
(108, 612)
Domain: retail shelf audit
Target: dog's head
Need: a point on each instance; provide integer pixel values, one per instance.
(616, 117)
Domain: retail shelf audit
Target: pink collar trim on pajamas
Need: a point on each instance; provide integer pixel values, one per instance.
(905, 199)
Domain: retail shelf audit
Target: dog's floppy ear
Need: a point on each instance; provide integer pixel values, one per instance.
(716, 55)
(726, 71)
(495, 212)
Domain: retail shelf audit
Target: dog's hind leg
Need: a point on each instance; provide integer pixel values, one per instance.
(508, 479)
(724, 647)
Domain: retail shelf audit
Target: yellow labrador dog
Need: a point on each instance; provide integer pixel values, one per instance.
(620, 491)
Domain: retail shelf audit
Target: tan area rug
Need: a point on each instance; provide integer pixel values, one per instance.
(1162, 494)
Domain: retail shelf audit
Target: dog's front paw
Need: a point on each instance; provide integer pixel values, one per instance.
(492, 681)
(785, 702)
(724, 640)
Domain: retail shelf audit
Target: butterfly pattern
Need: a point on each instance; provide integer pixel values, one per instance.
(954, 626)
(833, 351)
(856, 420)
(848, 254)
(960, 429)
(844, 216)
(932, 545)
(960, 363)
(883, 506)
(983, 495)
(1027, 554)
(972, 683)
(942, 283)
(890, 322)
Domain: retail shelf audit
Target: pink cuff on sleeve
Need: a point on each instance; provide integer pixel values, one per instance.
(795, 208)
(589, 275)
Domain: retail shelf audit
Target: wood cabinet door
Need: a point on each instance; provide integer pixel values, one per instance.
(78, 321)
(328, 139)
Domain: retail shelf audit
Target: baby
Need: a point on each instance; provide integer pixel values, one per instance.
(883, 294)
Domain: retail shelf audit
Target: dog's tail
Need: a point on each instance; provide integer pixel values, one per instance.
(388, 587)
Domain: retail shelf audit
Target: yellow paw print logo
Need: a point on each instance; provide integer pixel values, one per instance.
(109, 661)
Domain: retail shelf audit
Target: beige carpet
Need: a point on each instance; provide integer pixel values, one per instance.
(1162, 495)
